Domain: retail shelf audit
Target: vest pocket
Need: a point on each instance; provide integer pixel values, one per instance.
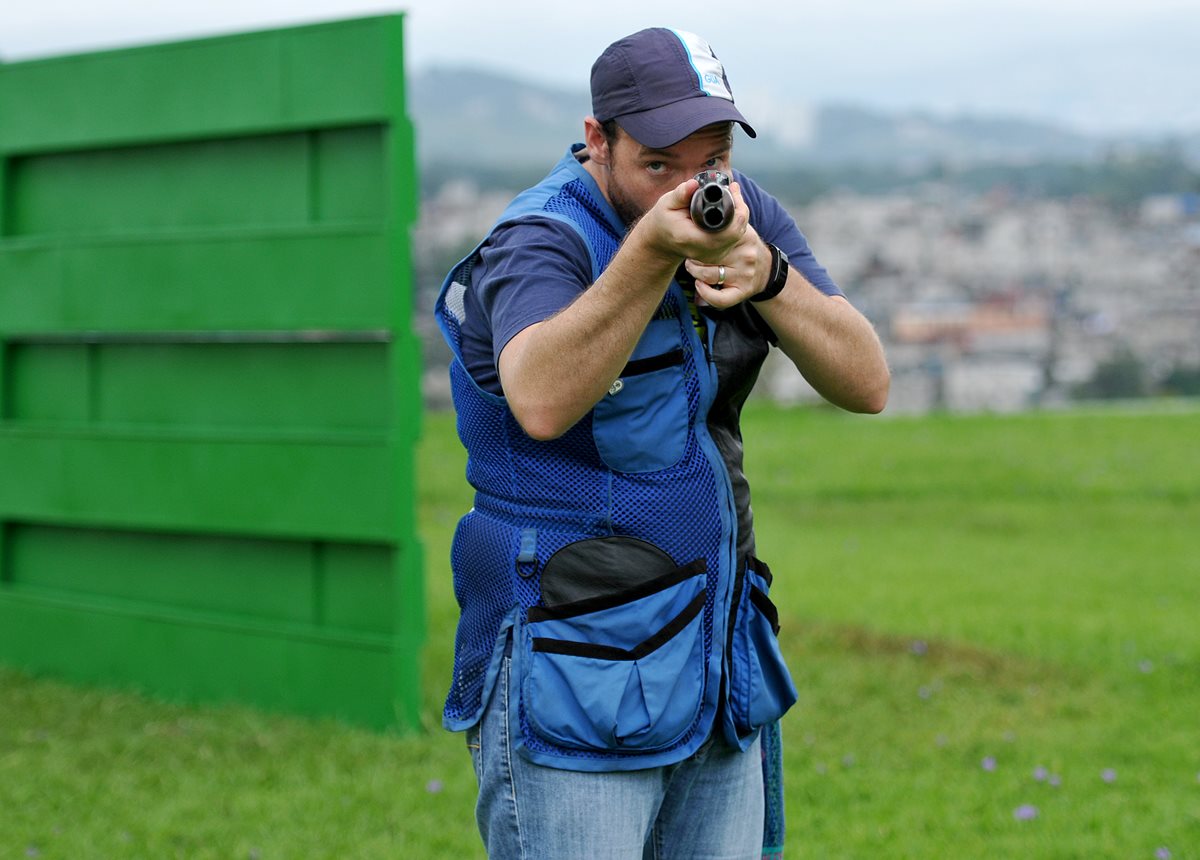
(761, 689)
(641, 425)
(625, 672)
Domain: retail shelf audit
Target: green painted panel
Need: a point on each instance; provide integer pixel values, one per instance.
(293, 385)
(338, 280)
(326, 74)
(332, 586)
(195, 658)
(209, 386)
(267, 579)
(324, 488)
(335, 386)
(347, 175)
(158, 91)
(47, 384)
(280, 180)
(289, 385)
(5, 202)
(362, 84)
(357, 592)
(212, 183)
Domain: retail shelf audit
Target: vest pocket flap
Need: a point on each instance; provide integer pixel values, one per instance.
(626, 621)
(638, 366)
(610, 652)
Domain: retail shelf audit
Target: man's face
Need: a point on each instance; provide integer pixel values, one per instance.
(638, 175)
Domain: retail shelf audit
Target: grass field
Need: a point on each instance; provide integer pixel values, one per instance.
(993, 622)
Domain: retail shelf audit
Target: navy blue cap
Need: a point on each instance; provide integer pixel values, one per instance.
(662, 85)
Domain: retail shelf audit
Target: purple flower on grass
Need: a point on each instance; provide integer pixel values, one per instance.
(1040, 773)
(1025, 812)
(1163, 853)
(988, 763)
(434, 786)
(919, 647)
(1108, 775)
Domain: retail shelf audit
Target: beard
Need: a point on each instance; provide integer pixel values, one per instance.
(628, 210)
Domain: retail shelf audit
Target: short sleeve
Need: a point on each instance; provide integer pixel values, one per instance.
(527, 272)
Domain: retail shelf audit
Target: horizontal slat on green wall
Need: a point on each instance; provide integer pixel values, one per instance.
(320, 279)
(330, 487)
(294, 385)
(309, 77)
(278, 180)
(208, 379)
(325, 585)
(188, 655)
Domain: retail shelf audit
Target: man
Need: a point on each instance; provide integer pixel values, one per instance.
(616, 666)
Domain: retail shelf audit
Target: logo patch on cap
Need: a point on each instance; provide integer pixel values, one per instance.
(710, 74)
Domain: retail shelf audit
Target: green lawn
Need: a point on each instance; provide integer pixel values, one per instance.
(993, 622)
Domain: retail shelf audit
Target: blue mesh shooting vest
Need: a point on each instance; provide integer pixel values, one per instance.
(614, 563)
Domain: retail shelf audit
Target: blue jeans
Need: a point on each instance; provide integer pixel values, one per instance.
(707, 807)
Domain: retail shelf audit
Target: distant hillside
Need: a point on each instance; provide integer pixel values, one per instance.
(479, 117)
(848, 134)
(491, 121)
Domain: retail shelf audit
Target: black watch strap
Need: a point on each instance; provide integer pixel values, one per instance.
(779, 275)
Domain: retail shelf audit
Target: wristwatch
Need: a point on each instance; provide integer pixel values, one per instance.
(778, 278)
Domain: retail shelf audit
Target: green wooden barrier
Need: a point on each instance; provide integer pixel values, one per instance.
(208, 378)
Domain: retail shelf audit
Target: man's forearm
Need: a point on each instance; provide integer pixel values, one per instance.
(554, 371)
(831, 343)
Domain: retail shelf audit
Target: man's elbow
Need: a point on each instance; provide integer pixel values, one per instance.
(539, 421)
(875, 397)
(869, 398)
(873, 405)
(543, 430)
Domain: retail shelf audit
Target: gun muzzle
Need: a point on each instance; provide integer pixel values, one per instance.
(712, 203)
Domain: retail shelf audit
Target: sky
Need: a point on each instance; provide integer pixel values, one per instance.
(1098, 66)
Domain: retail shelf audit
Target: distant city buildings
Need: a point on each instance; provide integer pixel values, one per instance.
(999, 302)
(984, 301)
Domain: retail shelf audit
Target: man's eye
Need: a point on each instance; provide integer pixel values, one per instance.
(656, 166)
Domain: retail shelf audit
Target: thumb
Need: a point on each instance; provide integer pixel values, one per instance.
(681, 196)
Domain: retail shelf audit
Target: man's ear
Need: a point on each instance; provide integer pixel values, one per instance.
(596, 141)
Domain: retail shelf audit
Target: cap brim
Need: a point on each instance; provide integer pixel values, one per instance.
(667, 125)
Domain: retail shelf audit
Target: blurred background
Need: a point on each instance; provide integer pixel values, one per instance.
(988, 597)
(1010, 190)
